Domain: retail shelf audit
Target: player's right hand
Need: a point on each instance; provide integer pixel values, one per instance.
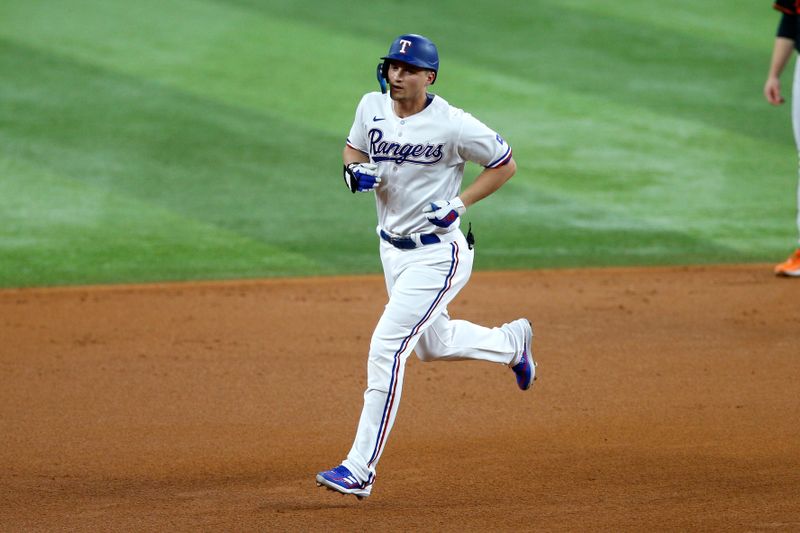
(361, 177)
(772, 91)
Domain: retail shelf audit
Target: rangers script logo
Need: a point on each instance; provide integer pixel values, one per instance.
(417, 154)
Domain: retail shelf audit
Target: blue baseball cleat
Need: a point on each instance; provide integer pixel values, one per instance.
(342, 480)
(525, 369)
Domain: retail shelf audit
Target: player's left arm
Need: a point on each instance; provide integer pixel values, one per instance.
(443, 213)
(487, 182)
(479, 144)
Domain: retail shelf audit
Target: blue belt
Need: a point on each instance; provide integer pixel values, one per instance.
(408, 243)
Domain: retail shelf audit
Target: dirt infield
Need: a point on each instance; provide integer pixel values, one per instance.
(668, 399)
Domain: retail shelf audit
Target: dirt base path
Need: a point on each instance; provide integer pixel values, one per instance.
(668, 399)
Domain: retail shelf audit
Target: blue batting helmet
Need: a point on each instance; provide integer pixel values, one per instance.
(415, 50)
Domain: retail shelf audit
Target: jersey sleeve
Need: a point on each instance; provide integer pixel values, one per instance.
(786, 6)
(357, 139)
(787, 27)
(482, 145)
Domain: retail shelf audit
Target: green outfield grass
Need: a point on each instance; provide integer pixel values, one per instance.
(148, 140)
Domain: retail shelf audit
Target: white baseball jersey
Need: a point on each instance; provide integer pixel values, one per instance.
(420, 158)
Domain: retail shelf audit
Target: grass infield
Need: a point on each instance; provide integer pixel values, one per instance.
(146, 141)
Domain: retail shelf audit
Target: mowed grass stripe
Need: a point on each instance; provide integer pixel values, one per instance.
(716, 21)
(265, 63)
(59, 230)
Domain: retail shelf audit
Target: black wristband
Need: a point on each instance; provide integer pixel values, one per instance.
(350, 179)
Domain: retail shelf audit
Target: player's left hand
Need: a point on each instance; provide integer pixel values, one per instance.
(444, 213)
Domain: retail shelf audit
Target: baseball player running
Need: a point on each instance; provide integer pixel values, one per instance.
(786, 41)
(410, 148)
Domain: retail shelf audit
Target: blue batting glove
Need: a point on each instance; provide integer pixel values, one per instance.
(361, 177)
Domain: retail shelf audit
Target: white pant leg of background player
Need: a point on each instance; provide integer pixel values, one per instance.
(796, 128)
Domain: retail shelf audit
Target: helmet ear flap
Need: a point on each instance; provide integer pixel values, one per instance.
(381, 75)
